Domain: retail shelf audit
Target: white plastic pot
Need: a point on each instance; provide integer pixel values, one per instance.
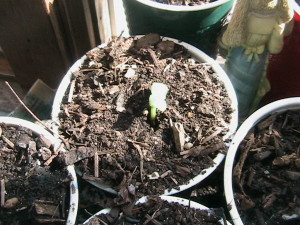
(170, 199)
(199, 56)
(274, 107)
(11, 121)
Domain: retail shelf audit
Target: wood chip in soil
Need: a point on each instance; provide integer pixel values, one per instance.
(267, 174)
(31, 193)
(108, 117)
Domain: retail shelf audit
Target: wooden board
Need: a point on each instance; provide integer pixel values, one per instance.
(29, 43)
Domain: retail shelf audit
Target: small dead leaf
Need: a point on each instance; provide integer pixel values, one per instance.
(267, 122)
(190, 115)
(292, 175)
(147, 40)
(153, 176)
(297, 163)
(45, 153)
(166, 47)
(120, 103)
(166, 174)
(245, 202)
(183, 171)
(46, 208)
(11, 203)
(188, 145)
(114, 89)
(284, 160)
(214, 134)
(178, 134)
(92, 105)
(261, 155)
(45, 141)
(32, 147)
(130, 73)
(10, 143)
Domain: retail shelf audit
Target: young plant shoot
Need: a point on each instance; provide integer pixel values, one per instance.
(157, 99)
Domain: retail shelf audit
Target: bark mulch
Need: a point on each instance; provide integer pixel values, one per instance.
(267, 174)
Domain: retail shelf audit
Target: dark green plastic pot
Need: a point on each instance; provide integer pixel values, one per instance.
(197, 25)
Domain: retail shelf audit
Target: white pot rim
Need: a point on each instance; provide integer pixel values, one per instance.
(73, 184)
(277, 106)
(170, 199)
(30, 125)
(177, 8)
(199, 56)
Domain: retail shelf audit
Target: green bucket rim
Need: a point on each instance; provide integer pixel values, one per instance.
(177, 8)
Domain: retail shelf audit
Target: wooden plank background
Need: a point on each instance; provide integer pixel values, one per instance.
(43, 38)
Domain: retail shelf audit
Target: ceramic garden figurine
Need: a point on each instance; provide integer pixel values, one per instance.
(255, 30)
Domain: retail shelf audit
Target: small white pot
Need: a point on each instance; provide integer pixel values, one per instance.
(199, 56)
(170, 199)
(11, 121)
(248, 124)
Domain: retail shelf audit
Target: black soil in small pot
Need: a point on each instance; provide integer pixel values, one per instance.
(33, 191)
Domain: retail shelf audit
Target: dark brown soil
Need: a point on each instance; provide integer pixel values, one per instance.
(31, 193)
(184, 2)
(159, 212)
(108, 117)
(92, 200)
(267, 175)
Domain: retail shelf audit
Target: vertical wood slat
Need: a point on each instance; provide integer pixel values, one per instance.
(52, 12)
(89, 23)
(70, 27)
(94, 21)
(77, 20)
(104, 25)
(117, 18)
(29, 43)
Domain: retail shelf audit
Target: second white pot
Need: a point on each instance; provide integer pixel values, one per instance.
(274, 107)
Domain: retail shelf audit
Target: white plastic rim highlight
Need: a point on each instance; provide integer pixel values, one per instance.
(199, 56)
(12, 121)
(181, 201)
(170, 199)
(274, 107)
(177, 8)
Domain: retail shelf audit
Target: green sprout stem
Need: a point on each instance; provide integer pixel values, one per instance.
(153, 111)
